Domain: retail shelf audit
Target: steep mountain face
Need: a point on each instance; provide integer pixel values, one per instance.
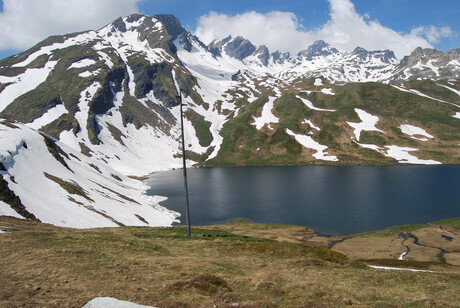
(47, 180)
(429, 64)
(109, 97)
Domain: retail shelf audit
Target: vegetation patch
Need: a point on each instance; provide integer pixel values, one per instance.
(118, 194)
(206, 284)
(56, 151)
(71, 187)
(9, 197)
(202, 127)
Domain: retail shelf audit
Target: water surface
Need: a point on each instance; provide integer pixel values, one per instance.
(330, 199)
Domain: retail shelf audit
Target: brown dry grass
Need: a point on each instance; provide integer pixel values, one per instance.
(46, 266)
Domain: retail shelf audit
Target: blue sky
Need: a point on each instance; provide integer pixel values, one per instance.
(376, 24)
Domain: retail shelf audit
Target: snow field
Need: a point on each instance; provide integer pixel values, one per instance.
(105, 191)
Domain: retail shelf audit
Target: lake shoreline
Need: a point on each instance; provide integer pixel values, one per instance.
(334, 200)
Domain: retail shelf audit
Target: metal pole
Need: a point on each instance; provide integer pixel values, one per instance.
(184, 165)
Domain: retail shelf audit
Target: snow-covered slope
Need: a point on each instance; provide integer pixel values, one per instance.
(61, 186)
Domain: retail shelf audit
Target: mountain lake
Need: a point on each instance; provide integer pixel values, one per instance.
(333, 200)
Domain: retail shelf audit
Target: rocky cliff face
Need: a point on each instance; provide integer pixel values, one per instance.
(429, 64)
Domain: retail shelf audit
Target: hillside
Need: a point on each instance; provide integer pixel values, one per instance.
(109, 97)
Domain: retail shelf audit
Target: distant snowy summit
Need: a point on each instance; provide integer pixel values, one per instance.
(321, 59)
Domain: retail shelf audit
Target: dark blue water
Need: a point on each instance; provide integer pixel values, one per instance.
(329, 199)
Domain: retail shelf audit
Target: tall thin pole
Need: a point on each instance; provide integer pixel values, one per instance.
(184, 165)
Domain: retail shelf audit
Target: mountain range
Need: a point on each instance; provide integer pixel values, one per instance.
(79, 113)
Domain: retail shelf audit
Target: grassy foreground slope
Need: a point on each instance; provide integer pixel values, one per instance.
(46, 266)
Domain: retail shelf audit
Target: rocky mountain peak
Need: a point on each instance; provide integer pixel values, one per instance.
(172, 24)
(239, 48)
(385, 56)
(427, 63)
(317, 49)
(263, 54)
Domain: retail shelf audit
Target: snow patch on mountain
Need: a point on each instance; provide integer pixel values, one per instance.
(415, 131)
(49, 49)
(49, 116)
(318, 82)
(451, 89)
(82, 63)
(23, 83)
(327, 91)
(416, 92)
(82, 116)
(311, 106)
(6, 210)
(368, 122)
(308, 142)
(401, 154)
(89, 74)
(267, 115)
(309, 122)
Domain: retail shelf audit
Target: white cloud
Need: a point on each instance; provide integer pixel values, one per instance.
(277, 30)
(432, 33)
(26, 22)
(345, 30)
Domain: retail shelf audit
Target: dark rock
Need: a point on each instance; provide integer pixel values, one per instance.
(239, 48)
(318, 48)
(119, 25)
(263, 54)
(150, 77)
(279, 57)
(215, 47)
(172, 24)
